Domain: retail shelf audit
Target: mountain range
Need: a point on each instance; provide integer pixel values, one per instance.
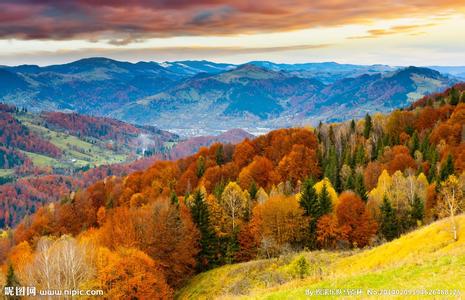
(194, 98)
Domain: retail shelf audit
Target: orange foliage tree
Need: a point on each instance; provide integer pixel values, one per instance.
(261, 171)
(300, 163)
(161, 230)
(243, 154)
(355, 220)
(398, 158)
(328, 231)
(131, 274)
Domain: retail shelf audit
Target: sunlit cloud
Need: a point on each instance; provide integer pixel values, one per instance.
(122, 22)
(410, 29)
(49, 32)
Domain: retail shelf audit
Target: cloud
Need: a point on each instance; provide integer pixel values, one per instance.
(123, 21)
(151, 54)
(410, 29)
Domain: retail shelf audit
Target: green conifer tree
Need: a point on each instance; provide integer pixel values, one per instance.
(309, 199)
(346, 155)
(454, 96)
(206, 258)
(380, 148)
(424, 146)
(432, 156)
(414, 143)
(301, 267)
(219, 155)
(360, 156)
(324, 201)
(332, 137)
(388, 227)
(368, 126)
(200, 166)
(374, 151)
(11, 281)
(349, 184)
(174, 198)
(447, 168)
(417, 211)
(231, 248)
(331, 169)
(311, 206)
(359, 187)
(253, 190)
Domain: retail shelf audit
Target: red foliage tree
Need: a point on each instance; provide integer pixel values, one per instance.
(261, 171)
(300, 163)
(355, 220)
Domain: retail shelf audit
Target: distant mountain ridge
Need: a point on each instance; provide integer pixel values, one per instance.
(246, 90)
(204, 98)
(251, 94)
(193, 67)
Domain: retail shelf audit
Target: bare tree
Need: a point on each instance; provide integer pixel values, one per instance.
(452, 201)
(59, 264)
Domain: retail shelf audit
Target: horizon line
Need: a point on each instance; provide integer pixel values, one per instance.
(226, 62)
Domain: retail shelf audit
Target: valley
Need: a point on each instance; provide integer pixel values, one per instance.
(258, 96)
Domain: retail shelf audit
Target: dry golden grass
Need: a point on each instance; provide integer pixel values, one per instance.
(426, 258)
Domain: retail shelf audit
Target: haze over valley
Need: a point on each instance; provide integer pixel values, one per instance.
(192, 98)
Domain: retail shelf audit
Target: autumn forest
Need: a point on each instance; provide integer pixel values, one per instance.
(336, 187)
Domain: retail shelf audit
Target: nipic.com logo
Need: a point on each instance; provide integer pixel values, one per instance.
(20, 291)
(24, 291)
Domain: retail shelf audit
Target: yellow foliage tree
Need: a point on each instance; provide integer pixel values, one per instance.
(218, 216)
(280, 219)
(400, 189)
(235, 204)
(21, 256)
(331, 191)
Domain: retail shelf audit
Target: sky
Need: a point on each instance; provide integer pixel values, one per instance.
(397, 32)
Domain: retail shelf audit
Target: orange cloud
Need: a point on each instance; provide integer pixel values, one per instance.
(410, 29)
(125, 21)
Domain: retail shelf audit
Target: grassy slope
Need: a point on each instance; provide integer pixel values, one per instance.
(426, 258)
(77, 152)
(6, 172)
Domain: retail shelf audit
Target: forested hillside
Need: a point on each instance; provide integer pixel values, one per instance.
(44, 157)
(69, 141)
(338, 186)
(253, 96)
